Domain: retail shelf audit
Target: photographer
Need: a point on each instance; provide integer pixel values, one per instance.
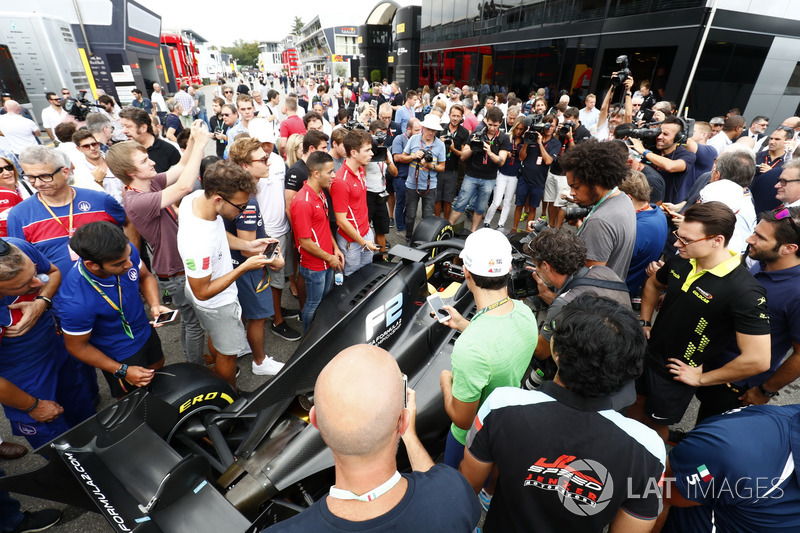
(485, 154)
(507, 177)
(570, 133)
(377, 195)
(536, 160)
(425, 154)
(594, 171)
(609, 119)
(454, 136)
(672, 161)
(413, 127)
(559, 256)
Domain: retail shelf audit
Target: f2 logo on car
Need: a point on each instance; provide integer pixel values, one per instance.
(388, 313)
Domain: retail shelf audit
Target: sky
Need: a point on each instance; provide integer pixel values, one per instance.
(251, 20)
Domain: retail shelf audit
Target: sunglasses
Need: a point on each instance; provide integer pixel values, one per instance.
(262, 160)
(228, 92)
(7, 168)
(46, 178)
(241, 208)
(684, 242)
(782, 213)
(227, 114)
(90, 145)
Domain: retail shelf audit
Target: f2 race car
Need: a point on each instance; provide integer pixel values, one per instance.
(187, 454)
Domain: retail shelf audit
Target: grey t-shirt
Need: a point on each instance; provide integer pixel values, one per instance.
(610, 234)
(563, 297)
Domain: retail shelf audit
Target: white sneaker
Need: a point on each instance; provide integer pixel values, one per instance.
(269, 367)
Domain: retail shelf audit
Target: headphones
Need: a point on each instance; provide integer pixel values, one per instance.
(687, 130)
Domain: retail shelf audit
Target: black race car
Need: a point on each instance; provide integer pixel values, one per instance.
(187, 454)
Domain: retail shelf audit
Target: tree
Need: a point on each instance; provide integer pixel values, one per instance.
(297, 25)
(245, 53)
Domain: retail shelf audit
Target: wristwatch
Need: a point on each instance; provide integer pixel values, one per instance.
(644, 154)
(47, 301)
(645, 323)
(122, 372)
(767, 393)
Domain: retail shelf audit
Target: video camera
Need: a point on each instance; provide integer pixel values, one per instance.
(535, 127)
(79, 107)
(647, 135)
(379, 151)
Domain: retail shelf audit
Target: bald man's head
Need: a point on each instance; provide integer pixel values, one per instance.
(792, 122)
(12, 106)
(358, 401)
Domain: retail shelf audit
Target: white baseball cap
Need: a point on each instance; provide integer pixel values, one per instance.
(260, 129)
(487, 252)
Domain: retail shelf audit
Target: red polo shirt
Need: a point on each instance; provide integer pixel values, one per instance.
(349, 194)
(309, 212)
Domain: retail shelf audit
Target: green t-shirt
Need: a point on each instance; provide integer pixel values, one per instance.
(494, 351)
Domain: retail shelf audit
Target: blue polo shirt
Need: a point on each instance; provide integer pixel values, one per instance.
(651, 235)
(31, 221)
(30, 362)
(84, 310)
(417, 175)
(783, 307)
(398, 145)
(742, 467)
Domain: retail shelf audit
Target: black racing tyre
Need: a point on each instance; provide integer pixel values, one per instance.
(188, 387)
(432, 229)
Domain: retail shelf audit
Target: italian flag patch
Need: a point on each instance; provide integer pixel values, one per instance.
(705, 475)
(191, 265)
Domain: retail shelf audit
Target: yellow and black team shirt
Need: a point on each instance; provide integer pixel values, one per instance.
(703, 310)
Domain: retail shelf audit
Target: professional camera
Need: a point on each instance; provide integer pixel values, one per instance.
(623, 72)
(520, 281)
(574, 213)
(566, 127)
(79, 107)
(379, 151)
(447, 139)
(477, 140)
(353, 124)
(427, 155)
(535, 127)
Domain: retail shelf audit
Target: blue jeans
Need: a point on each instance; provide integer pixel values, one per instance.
(400, 203)
(10, 515)
(475, 191)
(413, 197)
(318, 284)
(354, 256)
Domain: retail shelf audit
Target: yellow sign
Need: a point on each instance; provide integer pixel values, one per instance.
(390, 59)
(337, 59)
(360, 39)
(401, 28)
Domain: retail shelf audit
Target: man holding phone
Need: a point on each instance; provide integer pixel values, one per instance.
(102, 316)
(495, 348)
(319, 253)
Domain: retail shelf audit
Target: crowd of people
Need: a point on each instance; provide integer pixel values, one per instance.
(666, 258)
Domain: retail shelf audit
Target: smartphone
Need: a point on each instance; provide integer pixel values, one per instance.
(436, 303)
(163, 318)
(270, 249)
(374, 104)
(405, 386)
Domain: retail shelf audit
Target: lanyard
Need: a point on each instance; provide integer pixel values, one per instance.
(374, 494)
(490, 307)
(125, 325)
(69, 230)
(603, 199)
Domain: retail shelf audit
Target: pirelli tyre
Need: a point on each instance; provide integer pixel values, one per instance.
(431, 229)
(191, 389)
